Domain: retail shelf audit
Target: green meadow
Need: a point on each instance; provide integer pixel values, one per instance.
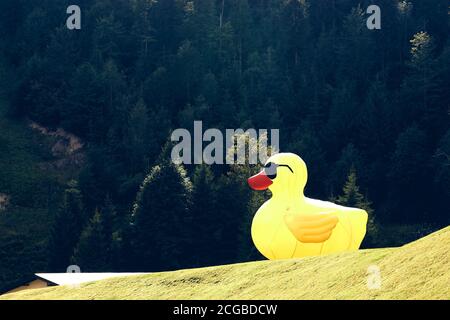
(419, 270)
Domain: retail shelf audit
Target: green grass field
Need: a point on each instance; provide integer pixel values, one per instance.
(419, 270)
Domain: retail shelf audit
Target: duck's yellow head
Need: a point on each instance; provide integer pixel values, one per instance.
(283, 174)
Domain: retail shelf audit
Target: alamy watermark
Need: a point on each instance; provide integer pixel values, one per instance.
(238, 146)
(73, 269)
(373, 277)
(73, 22)
(374, 20)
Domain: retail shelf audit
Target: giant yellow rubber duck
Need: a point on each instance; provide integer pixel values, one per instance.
(290, 225)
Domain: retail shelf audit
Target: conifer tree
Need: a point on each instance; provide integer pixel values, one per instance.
(66, 230)
(441, 163)
(352, 197)
(92, 251)
(410, 177)
(161, 219)
(419, 90)
(207, 226)
(137, 136)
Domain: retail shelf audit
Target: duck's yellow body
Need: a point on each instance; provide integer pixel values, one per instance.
(290, 225)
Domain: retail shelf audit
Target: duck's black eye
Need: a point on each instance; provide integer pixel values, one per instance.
(270, 170)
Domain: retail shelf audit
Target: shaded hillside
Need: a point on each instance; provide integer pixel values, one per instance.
(419, 270)
(30, 190)
(345, 98)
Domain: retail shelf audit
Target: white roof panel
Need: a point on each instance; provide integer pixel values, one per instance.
(77, 278)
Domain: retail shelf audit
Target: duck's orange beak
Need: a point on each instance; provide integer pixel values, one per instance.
(259, 181)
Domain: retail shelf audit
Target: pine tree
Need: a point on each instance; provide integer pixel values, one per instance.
(108, 35)
(114, 225)
(235, 217)
(355, 48)
(350, 159)
(352, 197)
(66, 230)
(420, 94)
(109, 218)
(207, 226)
(311, 151)
(142, 29)
(84, 102)
(137, 137)
(166, 19)
(441, 163)
(161, 220)
(92, 251)
(409, 188)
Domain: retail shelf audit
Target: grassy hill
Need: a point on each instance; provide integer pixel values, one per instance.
(419, 270)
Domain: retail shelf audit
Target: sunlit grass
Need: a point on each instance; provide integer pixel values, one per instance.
(420, 270)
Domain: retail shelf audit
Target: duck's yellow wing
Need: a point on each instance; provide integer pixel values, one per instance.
(311, 228)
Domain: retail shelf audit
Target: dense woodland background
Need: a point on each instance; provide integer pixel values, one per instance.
(368, 110)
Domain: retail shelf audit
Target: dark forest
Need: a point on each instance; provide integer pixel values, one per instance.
(368, 111)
